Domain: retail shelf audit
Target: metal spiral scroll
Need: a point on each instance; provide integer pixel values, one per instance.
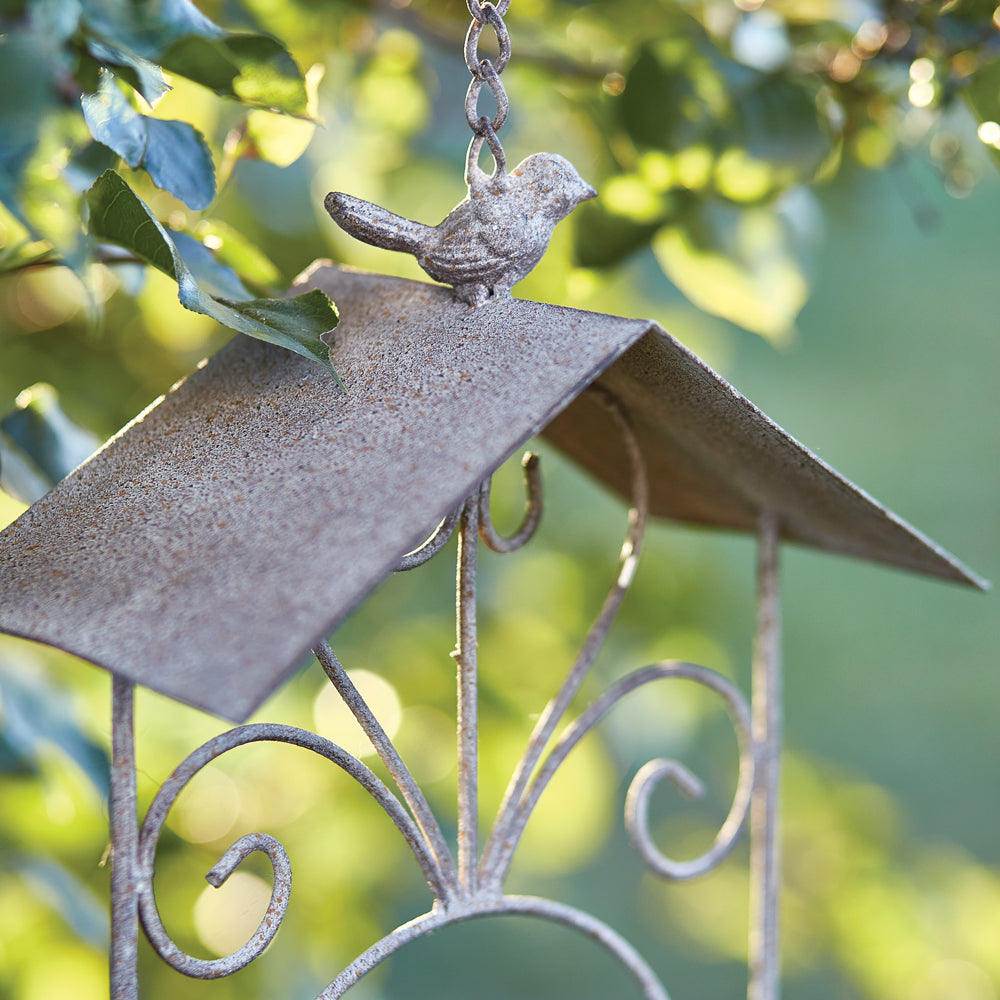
(524, 791)
(245, 846)
(473, 887)
(481, 893)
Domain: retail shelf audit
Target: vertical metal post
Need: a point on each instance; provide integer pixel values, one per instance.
(765, 850)
(468, 720)
(124, 846)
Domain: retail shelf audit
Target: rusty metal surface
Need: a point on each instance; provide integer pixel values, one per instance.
(475, 889)
(216, 539)
(715, 459)
(123, 971)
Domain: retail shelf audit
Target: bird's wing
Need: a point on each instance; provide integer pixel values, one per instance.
(475, 243)
(460, 263)
(375, 225)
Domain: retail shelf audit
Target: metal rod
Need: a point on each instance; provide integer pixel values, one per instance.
(434, 840)
(124, 846)
(468, 720)
(684, 780)
(765, 848)
(504, 832)
(529, 906)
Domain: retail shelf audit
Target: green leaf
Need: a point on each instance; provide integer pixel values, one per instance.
(114, 122)
(780, 124)
(983, 96)
(36, 190)
(255, 69)
(55, 20)
(24, 253)
(178, 160)
(87, 163)
(680, 91)
(602, 238)
(22, 58)
(136, 36)
(67, 895)
(212, 275)
(37, 713)
(41, 445)
(175, 18)
(173, 153)
(659, 99)
(19, 476)
(141, 74)
(204, 60)
(145, 28)
(118, 216)
(269, 76)
(296, 323)
(736, 263)
(282, 139)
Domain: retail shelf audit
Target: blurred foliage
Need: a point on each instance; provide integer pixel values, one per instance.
(60, 53)
(714, 132)
(39, 445)
(706, 124)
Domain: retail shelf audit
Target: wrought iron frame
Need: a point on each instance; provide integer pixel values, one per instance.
(474, 886)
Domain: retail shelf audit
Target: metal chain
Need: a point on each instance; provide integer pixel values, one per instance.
(485, 71)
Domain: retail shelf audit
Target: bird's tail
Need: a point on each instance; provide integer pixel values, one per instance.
(375, 225)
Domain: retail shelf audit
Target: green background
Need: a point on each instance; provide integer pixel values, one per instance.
(891, 796)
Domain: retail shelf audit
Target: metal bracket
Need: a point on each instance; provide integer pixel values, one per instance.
(474, 886)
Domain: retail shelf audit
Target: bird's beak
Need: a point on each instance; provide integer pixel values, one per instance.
(588, 192)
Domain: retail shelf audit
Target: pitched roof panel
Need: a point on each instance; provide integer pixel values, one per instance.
(207, 547)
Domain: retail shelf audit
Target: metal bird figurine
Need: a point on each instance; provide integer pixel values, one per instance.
(489, 241)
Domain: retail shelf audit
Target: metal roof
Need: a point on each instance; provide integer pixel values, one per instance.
(214, 540)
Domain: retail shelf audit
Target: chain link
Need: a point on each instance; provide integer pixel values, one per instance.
(485, 71)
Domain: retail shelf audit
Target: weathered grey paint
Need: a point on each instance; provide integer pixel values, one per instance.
(212, 542)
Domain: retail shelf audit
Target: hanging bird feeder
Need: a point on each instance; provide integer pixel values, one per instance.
(232, 526)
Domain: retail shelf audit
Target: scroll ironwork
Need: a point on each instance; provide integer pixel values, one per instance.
(470, 884)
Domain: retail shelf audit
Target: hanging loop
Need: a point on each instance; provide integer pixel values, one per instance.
(493, 17)
(491, 78)
(486, 71)
(475, 147)
(476, 9)
(532, 510)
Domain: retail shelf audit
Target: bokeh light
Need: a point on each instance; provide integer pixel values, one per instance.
(335, 721)
(226, 918)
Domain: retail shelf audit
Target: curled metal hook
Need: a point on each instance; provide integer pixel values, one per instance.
(511, 818)
(649, 776)
(637, 816)
(532, 510)
(529, 524)
(216, 877)
(437, 541)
